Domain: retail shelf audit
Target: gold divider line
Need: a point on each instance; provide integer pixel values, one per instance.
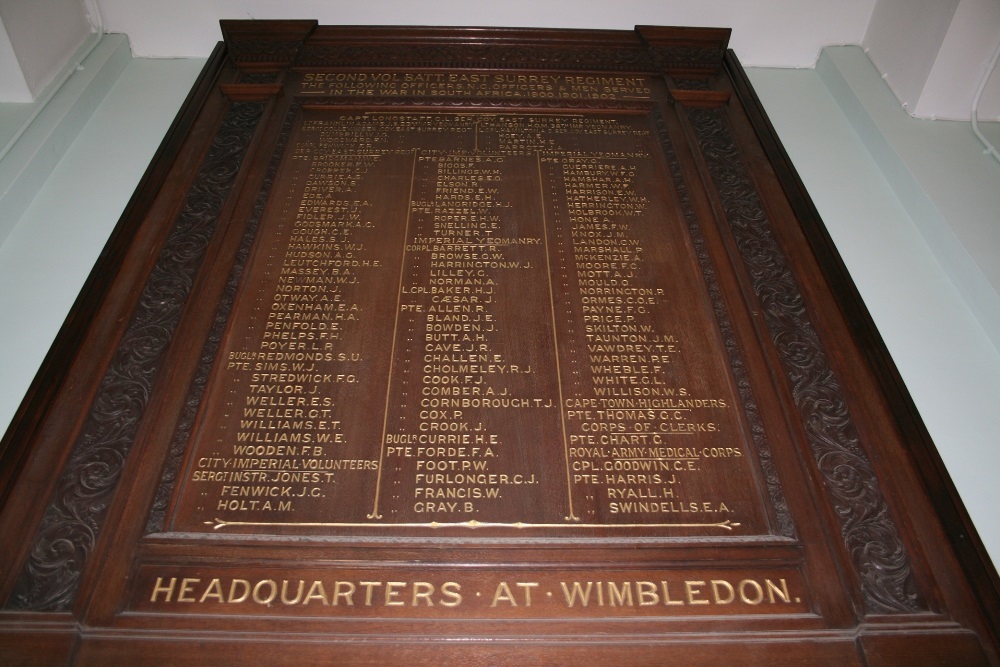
(520, 525)
(555, 336)
(392, 355)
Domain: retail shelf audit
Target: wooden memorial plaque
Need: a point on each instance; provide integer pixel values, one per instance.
(504, 346)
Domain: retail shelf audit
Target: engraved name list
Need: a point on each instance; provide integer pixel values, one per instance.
(471, 320)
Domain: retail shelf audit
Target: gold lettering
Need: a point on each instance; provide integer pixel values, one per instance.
(575, 594)
(718, 584)
(214, 590)
(772, 590)
(422, 590)
(232, 591)
(692, 588)
(370, 587)
(284, 592)
(620, 597)
(666, 595)
(158, 588)
(451, 590)
(753, 584)
(347, 595)
(269, 597)
(503, 593)
(526, 586)
(391, 593)
(577, 591)
(316, 592)
(186, 585)
(647, 593)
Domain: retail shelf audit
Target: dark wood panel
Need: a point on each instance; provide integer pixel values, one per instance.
(509, 338)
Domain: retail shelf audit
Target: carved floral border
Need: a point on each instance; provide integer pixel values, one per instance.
(73, 519)
(867, 526)
(786, 526)
(192, 403)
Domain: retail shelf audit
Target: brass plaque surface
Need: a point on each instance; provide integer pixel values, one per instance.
(499, 346)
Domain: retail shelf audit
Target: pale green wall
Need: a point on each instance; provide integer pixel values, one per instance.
(34, 137)
(943, 351)
(946, 183)
(52, 247)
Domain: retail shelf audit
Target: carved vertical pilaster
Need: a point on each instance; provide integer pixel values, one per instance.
(867, 526)
(192, 402)
(69, 528)
(786, 526)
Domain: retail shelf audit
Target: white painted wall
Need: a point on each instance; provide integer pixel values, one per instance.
(903, 40)
(949, 187)
(13, 87)
(974, 34)
(52, 248)
(779, 33)
(932, 50)
(933, 54)
(39, 134)
(44, 35)
(949, 363)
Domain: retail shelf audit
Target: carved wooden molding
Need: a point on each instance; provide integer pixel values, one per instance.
(867, 525)
(640, 443)
(75, 515)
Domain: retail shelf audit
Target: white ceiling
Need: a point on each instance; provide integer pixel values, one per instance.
(932, 51)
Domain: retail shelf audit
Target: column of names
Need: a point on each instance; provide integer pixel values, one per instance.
(474, 319)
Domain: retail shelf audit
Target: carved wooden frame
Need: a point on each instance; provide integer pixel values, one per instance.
(905, 578)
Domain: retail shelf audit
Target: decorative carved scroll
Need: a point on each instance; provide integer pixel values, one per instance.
(196, 392)
(76, 513)
(786, 526)
(501, 346)
(867, 525)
